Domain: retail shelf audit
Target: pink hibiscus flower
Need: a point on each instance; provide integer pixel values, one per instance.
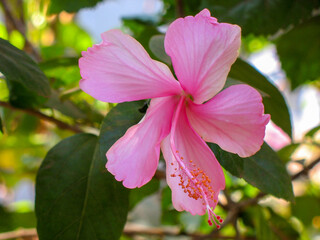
(182, 114)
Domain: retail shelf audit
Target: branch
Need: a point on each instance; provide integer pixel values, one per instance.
(180, 8)
(21, 233)
(306, 169)
(129, 230)
(40, 115)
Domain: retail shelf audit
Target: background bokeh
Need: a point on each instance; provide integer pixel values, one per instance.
(280, 38)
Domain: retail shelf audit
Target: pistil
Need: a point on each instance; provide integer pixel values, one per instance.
(193, 180)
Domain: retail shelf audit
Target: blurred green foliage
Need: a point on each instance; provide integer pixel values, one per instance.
(76, 198)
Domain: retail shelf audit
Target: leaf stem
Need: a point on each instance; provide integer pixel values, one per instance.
(180, 8)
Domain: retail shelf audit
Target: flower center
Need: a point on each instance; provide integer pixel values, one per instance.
(192, 179)
(186, 95)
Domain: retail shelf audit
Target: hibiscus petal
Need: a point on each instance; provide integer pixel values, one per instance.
(233, 119)
(202, 52)
(119, 70)
(199, 161)
(133, 159)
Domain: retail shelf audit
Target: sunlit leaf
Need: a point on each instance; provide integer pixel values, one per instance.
(313, 131)
(273, 100)
(305, 208)
(76, 198)
(16, 39)
(263, 170)
(73, 36)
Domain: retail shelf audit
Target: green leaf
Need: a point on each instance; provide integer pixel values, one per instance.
(76, 198)
(261, 16)
(26, 82)
(10, 220)
(58, 62)
(267, 224)
(66, 107)
(313, 131)
(273, 100)
(143, 31)
(57, 6)
(263, 170)
(286, 152)
(73, 36)
(116, 123)
(302, 42)
(306, 208)
(156, 45)
(1, 125)
(138, 194)
(17, 66)
(264, 232)
(169, 215)
(64, 71)
(114, 126)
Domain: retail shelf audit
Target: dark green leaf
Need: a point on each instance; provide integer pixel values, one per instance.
(301, 43)
(116, 123)
(313, 131)
(22, 97)
(263, 170)
(261, 16)
(66, 107)
(306, 208)
(1, 126)
(273, 100)
(169, 215)
(286, 152)
(57, 6)
(26, 82)
(58, 62)
(17, 66)
(76, 198)
(10, 221)
(137, 194)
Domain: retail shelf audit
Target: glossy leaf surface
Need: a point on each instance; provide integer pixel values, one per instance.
(263, 170)
(76, 198)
